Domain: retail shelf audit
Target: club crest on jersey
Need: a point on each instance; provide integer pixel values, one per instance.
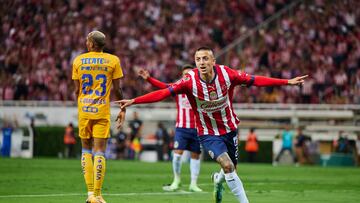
(213, 95)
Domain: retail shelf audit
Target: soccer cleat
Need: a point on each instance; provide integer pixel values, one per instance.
(218, 189)
(99, 199)
(91, 199)
(171, 188)
(194, 188)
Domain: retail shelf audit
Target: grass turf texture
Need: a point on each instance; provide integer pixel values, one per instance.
(58, 181)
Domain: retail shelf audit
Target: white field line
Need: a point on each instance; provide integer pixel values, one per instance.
(180, 192)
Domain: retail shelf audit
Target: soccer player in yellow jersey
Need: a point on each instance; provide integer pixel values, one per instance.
(93, 74)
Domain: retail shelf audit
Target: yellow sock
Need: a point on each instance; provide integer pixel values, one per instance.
(99, 173)
(87, 168)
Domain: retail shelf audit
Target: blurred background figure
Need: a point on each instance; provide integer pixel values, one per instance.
(135, 136)
(342, 144)
(287, 144)
(121, 138)
(357, 143)
(252, 146)
(162, 142)
(300, 147)
(111, 148)
(171, 143)
(7, 130)
(69, 141)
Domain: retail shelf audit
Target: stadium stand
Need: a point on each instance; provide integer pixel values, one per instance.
(40, 39)
(319, 38)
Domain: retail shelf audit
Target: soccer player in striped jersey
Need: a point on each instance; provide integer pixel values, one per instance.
(93, 74)
(185, 134)
(210, 89)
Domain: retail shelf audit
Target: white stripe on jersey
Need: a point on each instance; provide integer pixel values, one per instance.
(207, 98)
(213, 124)
(181, 121)
(228, 83)
(223, 111)
(226, 76)
(187, 118)
(195, 93)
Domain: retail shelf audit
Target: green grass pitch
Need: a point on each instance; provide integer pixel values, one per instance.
(56, 180)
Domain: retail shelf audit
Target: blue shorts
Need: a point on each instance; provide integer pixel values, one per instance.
(216, 145)
(187, 139)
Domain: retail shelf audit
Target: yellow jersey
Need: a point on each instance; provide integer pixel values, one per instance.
(95, 72)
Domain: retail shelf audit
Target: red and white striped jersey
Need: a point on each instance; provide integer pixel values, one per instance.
(185, 115)
(212, 102)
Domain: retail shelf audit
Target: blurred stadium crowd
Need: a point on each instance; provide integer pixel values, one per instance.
(39, 39)
(320, 40)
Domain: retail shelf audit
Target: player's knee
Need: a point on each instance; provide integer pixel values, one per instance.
(228, 167)
(226, 163)
(178, 151)
(86, 143)
(195, 155)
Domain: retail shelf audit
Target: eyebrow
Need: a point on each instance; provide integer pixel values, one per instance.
(201, 56)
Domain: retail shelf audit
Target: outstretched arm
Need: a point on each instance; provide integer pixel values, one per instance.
(244, 78)
(297, 80)
(147, 98)
(154, 82)
(266, 81)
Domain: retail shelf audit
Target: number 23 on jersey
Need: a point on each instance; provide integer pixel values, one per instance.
(88, 81)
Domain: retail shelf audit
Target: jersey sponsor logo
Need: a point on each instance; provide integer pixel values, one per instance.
(90, 109)
(94, 61)
(92, 101)
(98, 171)
(235, 139)
(184, 79)
(94, 68)
(242, 74)
(225, 87)
(212, 106)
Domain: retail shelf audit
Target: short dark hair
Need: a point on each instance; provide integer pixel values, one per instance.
(187, 66)
(205, 48)
(98, 38)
